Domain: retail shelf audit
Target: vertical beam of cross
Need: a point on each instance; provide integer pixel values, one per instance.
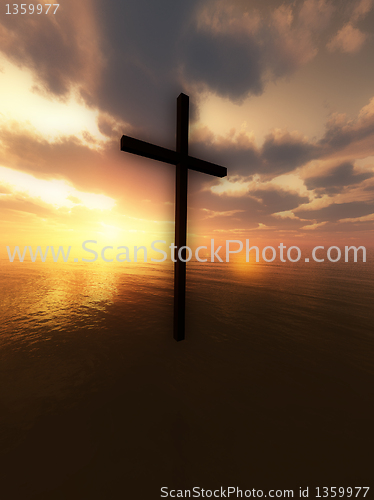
(181, 182)
(183, 162)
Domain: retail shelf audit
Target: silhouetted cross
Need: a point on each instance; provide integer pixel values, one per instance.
(183, 162)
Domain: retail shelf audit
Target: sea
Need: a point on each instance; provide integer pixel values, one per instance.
(271, 389)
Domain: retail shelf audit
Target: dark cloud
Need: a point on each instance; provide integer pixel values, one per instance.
(142, 80)
(335, 180)
(251, 211)
(54, 46)
(340, 133)
(132, 59)
(284, 153)
(338, 211)
(238, 153)
(277, 200)
(252, 205)
(228, 65)
(155, 50)
(206, 199)
(280, 153)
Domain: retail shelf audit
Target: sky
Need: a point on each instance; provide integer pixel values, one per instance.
(281, 93)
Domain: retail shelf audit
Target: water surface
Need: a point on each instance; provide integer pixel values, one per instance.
(275, 376)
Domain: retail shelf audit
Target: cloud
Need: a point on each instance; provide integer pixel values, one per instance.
(74, 199)
(25, 205)
(62, 49)
(365, 218)
(236, 151)
(258, 205)
(227, 213)
(312, 227)
(336, 179)
(316, 14)
(259, 200)
(337, 211)
(292, 35)
(277, 200)
(344, 141)
(328, 190)
(232, 186)
(127, 58)
(360, 9)
(106, 170)
(27, 150)
(349, 39)
(227, 64)
(54, 192)
(283, 152)
(4, 190)
(234, 49)
(343, 133)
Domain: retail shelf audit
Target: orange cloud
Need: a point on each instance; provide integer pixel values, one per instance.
(361, 8)
(349, 39)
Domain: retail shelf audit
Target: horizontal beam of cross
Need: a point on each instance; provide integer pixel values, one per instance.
(142, 148)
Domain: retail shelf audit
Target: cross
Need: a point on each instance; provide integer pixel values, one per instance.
(183, 162)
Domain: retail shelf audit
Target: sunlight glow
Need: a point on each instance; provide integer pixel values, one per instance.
(24, 102)
(56, 192)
